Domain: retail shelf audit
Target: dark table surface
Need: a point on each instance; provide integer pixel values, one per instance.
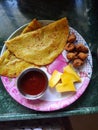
(82, 16)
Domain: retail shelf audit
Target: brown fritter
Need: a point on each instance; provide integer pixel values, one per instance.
(81, 48)
(82, 55)
(71, 55)
(69, 46)
(77, 63)
(76, 53)
(71, 38)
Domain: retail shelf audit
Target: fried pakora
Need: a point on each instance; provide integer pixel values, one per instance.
(76, 53)
(82, 56)
(69, 46)
(71, 38)
(71, 55)
(81, 48)
(77, 63)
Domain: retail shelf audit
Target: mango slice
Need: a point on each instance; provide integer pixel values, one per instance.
(56, 75)
(68, 77)
(68, 87)
(64, 82)
(69, 69)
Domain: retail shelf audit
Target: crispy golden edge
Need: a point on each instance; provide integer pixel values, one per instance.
(33, 25)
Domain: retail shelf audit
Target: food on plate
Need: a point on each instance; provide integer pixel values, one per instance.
(11, 66)
(81, 48)
(64, 82)
(77, 53)
(77, 63)
(71, 38)
(82, 56)
(41, 46)
(69, 47)
(67, 87)
(33, 25)
(69, 69)
(56, 75)
(71, 55)
(32, 83)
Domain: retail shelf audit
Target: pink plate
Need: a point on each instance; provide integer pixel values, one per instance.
(52, 100)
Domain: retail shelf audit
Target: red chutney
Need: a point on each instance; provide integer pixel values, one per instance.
(33, 83)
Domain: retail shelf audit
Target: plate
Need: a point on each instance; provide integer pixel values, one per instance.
(52, 100)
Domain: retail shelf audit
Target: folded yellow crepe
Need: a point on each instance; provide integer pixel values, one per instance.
(41, 46)
(11, 66)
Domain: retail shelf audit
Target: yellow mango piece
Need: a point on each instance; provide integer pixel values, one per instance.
(69, 87)
(56, 75)
(68, 77)
(69, 69)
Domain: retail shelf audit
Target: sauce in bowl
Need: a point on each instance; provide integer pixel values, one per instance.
(32, 83)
